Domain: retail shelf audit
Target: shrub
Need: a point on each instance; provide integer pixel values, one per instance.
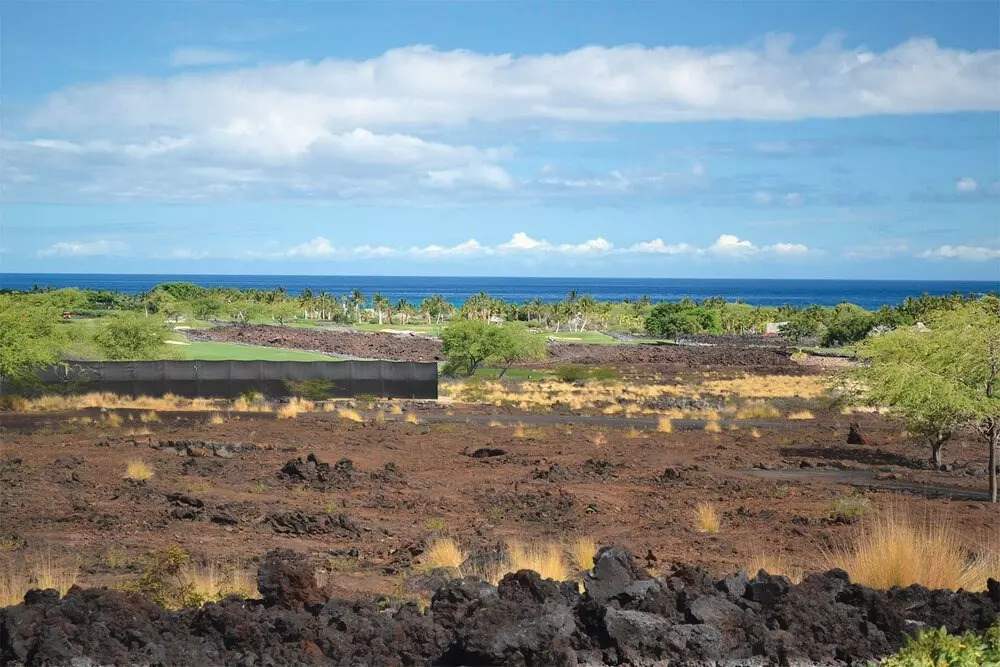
(936, 648)
(581, 552)
(138, 471)
(131, 336)
(572, 373)
(312, 390)
(170, 581)
(444, 552)
(545, 559)
(849, 508)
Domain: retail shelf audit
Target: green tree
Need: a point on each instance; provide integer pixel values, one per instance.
(30, 337)
(799, 327)
(941, 377)
(284, 311)
(468, 344)
(130, 336)
(673, 319)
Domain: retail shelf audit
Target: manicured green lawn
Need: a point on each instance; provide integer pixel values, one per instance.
(431, 329)
(209, 351)
(583, 337)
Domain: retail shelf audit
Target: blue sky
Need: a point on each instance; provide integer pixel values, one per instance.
(785, 139)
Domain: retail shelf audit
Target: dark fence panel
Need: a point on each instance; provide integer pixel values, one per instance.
(229, 379)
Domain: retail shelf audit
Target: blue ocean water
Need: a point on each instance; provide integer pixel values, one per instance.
(866, 293)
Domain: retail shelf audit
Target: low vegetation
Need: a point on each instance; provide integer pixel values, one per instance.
(706, 519)
(937, 648)
(18, 577)
(171, 580)
(138, 471)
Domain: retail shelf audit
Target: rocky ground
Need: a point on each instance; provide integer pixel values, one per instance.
(624, 616)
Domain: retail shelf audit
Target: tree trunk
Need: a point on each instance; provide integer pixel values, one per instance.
(937, 444)
(994, 438)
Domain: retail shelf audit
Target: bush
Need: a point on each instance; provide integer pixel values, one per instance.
(468, 344)
(313, 390)
(131, 336)
(673, 319)
(936, 648)
(572, 373)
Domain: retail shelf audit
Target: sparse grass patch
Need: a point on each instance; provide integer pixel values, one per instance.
(444, 552)
(768, 386)
(436, 524)
(350, 414)
(519, 431)
(664, 424)
(755, 433)
(112, 419)
(712, 426)
(849, 508)
(802, 415)
(758, 410)
(149, 417)
(216, 419)
(706, 519)
(397, 409)
(41, 572)
(412, 418)
(138, 471)
(581, 553)
(773, 564)
(294, 407)
(258, 487)
(599, 439)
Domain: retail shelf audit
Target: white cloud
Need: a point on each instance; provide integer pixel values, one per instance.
(521, 242)
(966, 184)
(420, 85)
(731, 245)
(793, 199)
(83, 249)
(317, 247)
(468, 248)
(789, 249)
(188, 253)
(962, 252)
(193, 56)
(373, 251)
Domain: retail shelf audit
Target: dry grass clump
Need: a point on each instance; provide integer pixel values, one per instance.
(412, 418)
(519, 431)
(664, 424)
(216, 419)
(599, 439)
(294, 407)
(255, 403)
(138, 471)
(212, 583)
(773, 564)
(581, 553)
(712, 426)
(43, 572)
(149, 417)
(893, 549)
(802, 415)
(758, 410)
(768, 386)
(112, 419)
(706, 519)
(849, 508)
(444, 552)
(545, 559)
(397, 409)
(983, 566)
(108, 401)
(494, 424)
(755, 433)
(350, 414)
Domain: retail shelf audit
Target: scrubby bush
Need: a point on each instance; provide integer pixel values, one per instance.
(673, 319)
(468, 344)
(129, 336)
(937, 648)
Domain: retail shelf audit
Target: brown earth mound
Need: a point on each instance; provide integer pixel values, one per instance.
(624, 617)
(399, 347)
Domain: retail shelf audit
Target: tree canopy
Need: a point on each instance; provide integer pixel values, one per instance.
(468, 344)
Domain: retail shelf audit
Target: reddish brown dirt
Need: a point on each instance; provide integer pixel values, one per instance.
(400, 347)
(63, 493)
(734, 357)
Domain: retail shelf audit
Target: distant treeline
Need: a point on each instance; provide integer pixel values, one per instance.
(180, 301)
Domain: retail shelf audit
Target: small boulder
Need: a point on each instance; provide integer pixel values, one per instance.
(286, 579)
(855, 436)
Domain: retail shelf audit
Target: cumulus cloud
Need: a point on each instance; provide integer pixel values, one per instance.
(962, 252)
(521, 244)
(966, 184)
(83, 248)
(362, 129)
(193, 56)
(317, 247)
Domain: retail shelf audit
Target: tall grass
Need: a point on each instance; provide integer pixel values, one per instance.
(412, 418)
(350, 415)
(546, 559)
(773, 564)
(712, 426)
(664, 424)
(444, 552)
(706, 519)
(43, 572)
(294, 407)
(758, 410)
(581, 553)
(894, 549)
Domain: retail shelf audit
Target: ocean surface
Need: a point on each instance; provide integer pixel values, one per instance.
(866, 293)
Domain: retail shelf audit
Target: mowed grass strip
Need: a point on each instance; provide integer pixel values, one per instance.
(211, 351)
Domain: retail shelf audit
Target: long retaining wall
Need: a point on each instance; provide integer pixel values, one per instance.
(229, 379)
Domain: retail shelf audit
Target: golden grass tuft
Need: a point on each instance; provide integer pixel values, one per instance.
(397, 409)
(444, 552)
(983, 566)
(755, 433)
(768, 386)
(216, 418)
(581, 553)
(664, 424)
(350, 414)
(112, 419)
(758, 410)
(599, 439)
(519, 431)
(494, 424)
(712, 426)
(42, 573)
(706, 519)
(412, 418)
(893, 549)
(802, 415)
(773, 564)
(138, 471)
(545, 559)
(287, 412)
(634, 433)
(212, 583)
(149, 417)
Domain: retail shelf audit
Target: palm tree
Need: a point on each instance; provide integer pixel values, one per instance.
(403, 308)
(378, 303)
(357, 299)
(584, 308)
